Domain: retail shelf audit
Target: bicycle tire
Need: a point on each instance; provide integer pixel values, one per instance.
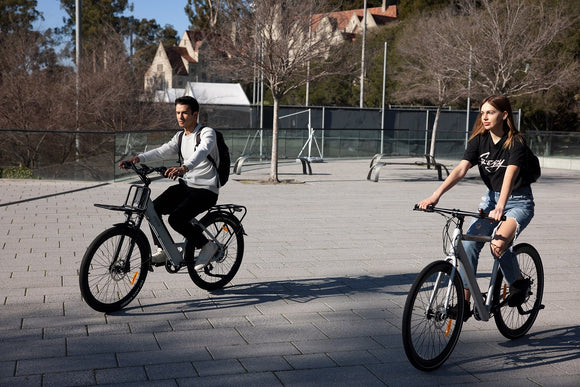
(511, 323)
(221, 270)
(108, 284)
(429, 335)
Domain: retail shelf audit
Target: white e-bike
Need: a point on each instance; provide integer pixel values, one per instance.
(435, 308)
(115, 265)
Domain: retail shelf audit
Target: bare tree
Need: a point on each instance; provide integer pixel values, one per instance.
(511, 48)
(275, 39)
(432, 68)
(32, 94)
(515, 45)
(38, 98)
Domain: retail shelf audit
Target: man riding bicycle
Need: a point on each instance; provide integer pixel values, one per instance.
(198, 181)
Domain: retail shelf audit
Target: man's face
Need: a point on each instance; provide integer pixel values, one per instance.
(185, 117)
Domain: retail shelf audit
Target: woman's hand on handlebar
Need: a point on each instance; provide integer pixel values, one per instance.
(430, 201)
(124, 164)
(497, 214)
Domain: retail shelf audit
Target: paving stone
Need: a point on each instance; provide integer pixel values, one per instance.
(318, 299)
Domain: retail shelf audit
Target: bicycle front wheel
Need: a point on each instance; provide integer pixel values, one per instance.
(114, 269)
(220, 271)
(430, 331)
(514, 322)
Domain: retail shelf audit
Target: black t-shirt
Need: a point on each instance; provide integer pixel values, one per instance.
(493, 159)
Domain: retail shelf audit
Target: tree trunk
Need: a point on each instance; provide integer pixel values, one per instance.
(274, 161)
(434, 131)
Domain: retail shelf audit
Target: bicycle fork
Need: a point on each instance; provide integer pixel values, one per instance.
(121, 265)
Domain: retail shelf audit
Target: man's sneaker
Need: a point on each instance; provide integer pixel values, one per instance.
(208, 251)
(159, 256)
(467, 312)
(519, 291)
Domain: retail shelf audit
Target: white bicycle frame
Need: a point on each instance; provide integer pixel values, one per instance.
(139, 198)
(457, 255)
(163, 236)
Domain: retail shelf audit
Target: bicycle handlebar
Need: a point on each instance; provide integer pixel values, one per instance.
(456, 212)
(143, 171)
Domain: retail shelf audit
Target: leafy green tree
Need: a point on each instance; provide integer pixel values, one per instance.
(95, 15)
(145, 37)
(375, 62)
(98, 18)
(407, 8)
(347, 5)
(18, 15)
(200, 14)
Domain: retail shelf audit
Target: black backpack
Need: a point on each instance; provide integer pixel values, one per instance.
(532, 171)
(223, 168)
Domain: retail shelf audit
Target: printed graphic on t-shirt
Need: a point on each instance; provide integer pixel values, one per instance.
(490, 165)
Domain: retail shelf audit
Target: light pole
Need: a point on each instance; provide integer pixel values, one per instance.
(78, 6)
(468, 99)
(362, 61)
(383, 103)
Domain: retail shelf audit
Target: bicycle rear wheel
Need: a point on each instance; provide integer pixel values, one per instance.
(517, 321)
(114, 269)
(226, 263)
(429, 333)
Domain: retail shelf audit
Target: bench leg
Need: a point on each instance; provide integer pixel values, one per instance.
(305, 166)
(375, 171)
(439, 175)
(238, 164)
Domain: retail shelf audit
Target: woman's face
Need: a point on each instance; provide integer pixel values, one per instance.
(491, 118)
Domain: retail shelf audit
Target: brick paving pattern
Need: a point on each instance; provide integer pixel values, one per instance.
(318, 300)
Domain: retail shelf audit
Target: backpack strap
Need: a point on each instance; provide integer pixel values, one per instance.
(198, 140)
(180, 141)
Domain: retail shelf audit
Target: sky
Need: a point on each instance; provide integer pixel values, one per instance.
(163, 11)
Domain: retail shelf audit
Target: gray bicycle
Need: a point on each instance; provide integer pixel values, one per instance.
(434, 310)
(115, 265)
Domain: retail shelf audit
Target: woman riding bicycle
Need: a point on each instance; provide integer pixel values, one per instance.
(499, 150)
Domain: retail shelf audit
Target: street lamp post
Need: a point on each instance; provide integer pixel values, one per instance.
(362, 62)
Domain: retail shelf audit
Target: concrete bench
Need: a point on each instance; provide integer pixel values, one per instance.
(377, 164)
(306, 167)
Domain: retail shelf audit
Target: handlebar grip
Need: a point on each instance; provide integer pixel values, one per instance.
(127, 165)
(428, 209)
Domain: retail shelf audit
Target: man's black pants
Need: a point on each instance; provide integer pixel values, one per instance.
(182, 203)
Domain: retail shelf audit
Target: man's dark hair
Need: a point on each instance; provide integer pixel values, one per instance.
(189, 101)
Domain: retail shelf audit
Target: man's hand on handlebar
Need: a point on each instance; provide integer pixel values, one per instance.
(126, 164)
(174, 173)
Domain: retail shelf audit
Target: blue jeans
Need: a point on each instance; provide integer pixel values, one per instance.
(520, 206)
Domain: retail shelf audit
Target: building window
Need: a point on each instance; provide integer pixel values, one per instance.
(159, 68)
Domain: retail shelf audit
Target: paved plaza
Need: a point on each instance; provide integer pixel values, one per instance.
(329, 259)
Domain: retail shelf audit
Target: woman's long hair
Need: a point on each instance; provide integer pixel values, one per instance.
(502, 104)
